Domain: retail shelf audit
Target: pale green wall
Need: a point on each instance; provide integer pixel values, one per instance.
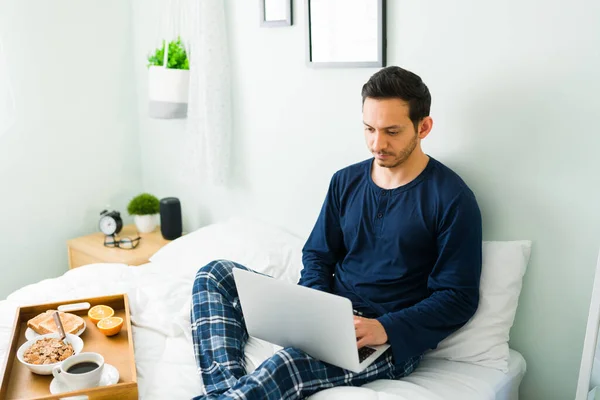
(75, 146)
(515, 88)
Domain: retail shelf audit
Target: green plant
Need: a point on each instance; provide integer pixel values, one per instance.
(143, 204)
(178, 58)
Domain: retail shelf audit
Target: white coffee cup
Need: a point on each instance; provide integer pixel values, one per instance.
(74, 373)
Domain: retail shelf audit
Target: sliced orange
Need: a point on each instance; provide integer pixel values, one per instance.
(110, 326)
(99, 312)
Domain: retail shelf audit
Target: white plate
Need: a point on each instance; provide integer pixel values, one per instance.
(31, 334)
(110, 376)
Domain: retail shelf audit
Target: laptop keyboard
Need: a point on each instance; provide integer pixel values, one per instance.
(364, 353)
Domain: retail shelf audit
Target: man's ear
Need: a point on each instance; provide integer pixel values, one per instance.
(425, 127)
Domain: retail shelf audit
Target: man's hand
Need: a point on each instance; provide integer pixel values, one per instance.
(369, 332)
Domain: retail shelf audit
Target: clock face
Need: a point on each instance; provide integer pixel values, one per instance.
(108, 225)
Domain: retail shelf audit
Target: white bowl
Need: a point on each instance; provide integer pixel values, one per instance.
(46, 369)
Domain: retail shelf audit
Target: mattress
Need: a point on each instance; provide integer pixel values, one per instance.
(458, 380)
(160, 303)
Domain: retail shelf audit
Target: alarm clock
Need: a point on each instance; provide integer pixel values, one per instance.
(110, 222)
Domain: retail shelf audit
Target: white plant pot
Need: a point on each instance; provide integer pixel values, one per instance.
(168, 92)
(145, 223)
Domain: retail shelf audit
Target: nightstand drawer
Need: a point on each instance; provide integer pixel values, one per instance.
(77, 259)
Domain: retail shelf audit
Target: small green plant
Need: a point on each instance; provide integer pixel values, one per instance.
(143, 204)
(178, 58)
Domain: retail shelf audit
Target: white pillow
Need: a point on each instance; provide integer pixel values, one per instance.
(484, 339)
(257, 245)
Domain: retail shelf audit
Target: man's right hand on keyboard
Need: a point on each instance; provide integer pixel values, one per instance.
(369, 332)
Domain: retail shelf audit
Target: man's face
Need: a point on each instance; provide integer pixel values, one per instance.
(389, 132)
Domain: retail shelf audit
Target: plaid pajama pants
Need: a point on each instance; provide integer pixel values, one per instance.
(219, 335)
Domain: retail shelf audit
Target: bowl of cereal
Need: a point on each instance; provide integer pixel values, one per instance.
(44, 352)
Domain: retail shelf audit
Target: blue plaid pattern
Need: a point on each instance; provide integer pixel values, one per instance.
(219, 335)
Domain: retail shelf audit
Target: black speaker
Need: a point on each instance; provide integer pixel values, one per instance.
(170, 218)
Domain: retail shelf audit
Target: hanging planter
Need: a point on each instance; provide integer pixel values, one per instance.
(168, 81)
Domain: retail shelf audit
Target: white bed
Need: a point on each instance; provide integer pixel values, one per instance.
(159, 294)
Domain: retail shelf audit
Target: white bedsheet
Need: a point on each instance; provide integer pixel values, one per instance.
(160, 301)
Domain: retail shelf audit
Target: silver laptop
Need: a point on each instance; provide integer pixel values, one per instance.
(318, 323)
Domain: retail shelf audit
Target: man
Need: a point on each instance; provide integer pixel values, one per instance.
(399, 235)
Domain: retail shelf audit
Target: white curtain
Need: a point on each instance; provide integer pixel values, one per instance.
(7, 100)
(209, 108)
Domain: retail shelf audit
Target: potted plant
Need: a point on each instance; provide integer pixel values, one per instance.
(169, 80)
(144, 207)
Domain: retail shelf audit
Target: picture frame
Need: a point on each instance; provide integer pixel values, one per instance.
(345, 33)
(275, 13)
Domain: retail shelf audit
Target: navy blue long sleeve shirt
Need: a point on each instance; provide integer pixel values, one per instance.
(409, 256)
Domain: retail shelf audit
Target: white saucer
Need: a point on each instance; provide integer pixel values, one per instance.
(110, 376)
(30, 334)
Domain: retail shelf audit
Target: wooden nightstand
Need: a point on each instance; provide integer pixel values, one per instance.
(90, 249)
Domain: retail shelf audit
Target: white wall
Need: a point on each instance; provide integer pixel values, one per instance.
(514, 87)
(75, 146)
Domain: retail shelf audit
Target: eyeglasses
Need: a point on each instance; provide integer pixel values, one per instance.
(122, 243)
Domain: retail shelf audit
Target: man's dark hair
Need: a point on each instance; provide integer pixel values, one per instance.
(396, 82)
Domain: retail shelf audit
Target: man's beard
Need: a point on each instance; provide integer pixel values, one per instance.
(401, 157)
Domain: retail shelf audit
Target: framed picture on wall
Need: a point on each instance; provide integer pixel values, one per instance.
(345, 33)
(275, 13)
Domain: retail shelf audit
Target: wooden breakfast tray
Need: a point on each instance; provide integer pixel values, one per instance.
(19, 382)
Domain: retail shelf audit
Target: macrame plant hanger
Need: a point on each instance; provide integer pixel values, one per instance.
(168, 84)
(209, 123)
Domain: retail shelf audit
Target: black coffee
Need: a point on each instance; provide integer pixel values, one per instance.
(82, 367)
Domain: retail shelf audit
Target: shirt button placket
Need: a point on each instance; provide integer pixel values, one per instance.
(382, 206)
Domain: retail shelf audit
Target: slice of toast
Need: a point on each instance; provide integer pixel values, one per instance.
(34, 323)
(44, 323)
(71, 323)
